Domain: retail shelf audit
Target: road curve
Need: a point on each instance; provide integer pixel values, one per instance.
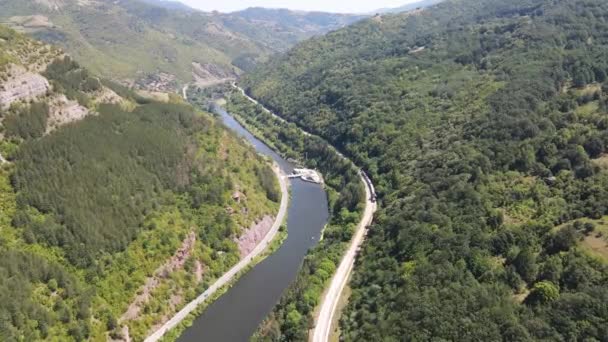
(228, 276)
(329, 303)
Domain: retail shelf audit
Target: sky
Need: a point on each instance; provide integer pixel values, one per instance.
(339, 6)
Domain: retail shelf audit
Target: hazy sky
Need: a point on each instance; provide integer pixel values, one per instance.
(342, 6)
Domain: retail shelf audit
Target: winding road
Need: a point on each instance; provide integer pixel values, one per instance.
(228, 276)
(329, 303)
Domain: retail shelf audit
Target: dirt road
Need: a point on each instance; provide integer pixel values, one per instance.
(228, 276)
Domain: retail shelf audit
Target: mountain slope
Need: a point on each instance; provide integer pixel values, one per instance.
(172, 5)
(157, 47)
(482, 123)
(280, 29)
(408, 7)
(113, 207)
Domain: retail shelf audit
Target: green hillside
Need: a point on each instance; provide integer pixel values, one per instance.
(154, 46)
(115, 210)
(483, 125)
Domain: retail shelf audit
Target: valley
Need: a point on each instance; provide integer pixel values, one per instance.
(434, 171)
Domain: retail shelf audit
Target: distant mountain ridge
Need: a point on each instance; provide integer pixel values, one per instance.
(162, 45)
(168, 4)
(408, 7)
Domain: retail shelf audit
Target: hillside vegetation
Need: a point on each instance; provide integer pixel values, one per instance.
(483, 125)
(115, 210)
(154, 46)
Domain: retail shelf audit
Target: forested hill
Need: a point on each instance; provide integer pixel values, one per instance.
(160, 47)
(483, 123)
(115, 210)
(409, 7)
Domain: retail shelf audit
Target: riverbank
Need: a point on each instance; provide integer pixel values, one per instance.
(234, 271)
(326, 310)
(347, 188)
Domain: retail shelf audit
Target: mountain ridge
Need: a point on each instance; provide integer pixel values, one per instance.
(158, 45)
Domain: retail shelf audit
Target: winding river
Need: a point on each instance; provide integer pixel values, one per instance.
(235, 316)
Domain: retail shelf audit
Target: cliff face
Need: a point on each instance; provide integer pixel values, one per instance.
(22, 85)
(31, 73)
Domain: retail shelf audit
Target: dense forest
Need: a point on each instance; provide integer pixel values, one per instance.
(136, 193)
(483, 124)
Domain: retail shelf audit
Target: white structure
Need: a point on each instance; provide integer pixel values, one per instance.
(307, 175)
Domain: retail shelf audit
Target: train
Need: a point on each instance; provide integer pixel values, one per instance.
(370, 185)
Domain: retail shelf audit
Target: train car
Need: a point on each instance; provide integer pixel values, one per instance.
(369, 184)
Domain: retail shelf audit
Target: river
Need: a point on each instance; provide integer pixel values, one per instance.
(235, 316)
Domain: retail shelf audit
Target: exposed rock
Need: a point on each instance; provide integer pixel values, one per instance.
(417, 50)
(107, 95)
(176, 262)
(198, 271)
(21, 86)
(63, 111)
(52, 4)
(31, 21)
(238, 196)
(206, 75)
(125, 336)
(85, 3)
(214, 29)
(159, 82)
(252, 236)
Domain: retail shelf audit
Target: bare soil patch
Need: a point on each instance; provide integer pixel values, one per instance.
(596, 244)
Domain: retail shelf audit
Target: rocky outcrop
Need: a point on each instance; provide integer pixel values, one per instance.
(107, 95)
(177, 261)
(206, 75)
(63, 111)
(32, 22)
(22, 85)
(52, 4)
(252, 236)
(159, 82)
